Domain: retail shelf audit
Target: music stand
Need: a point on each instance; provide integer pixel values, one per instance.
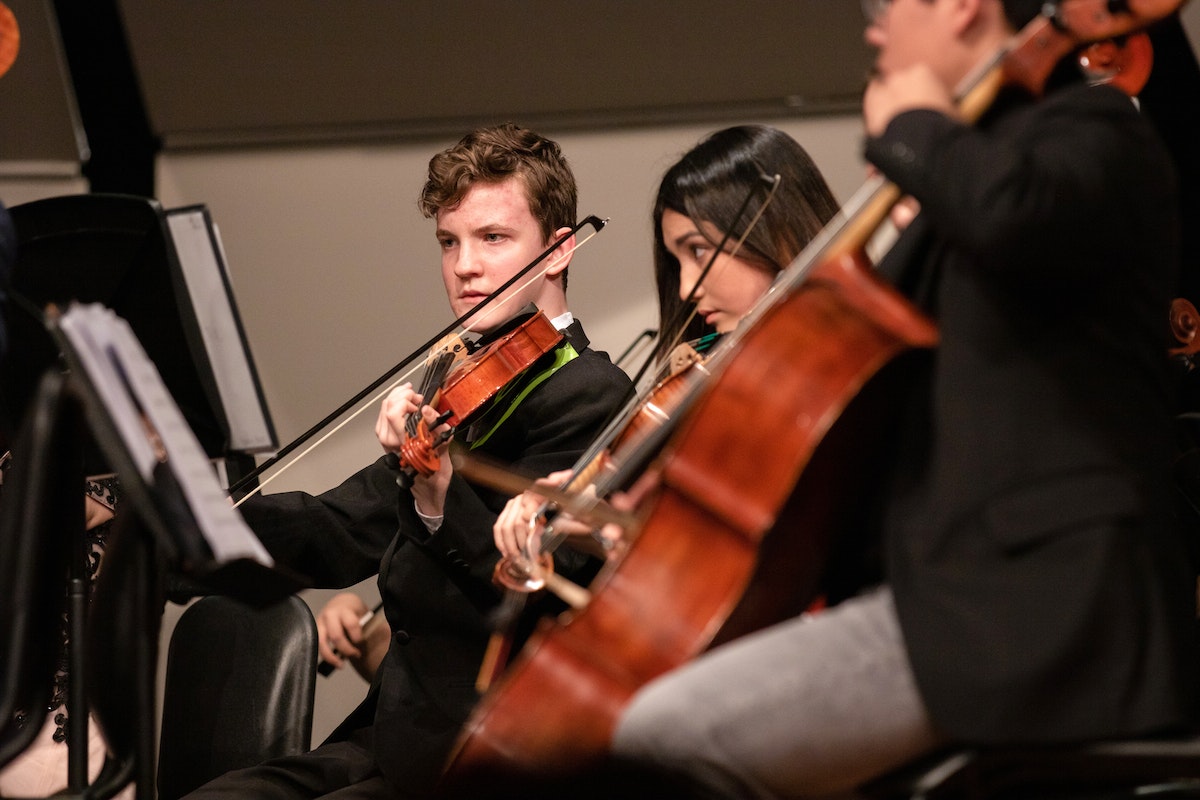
(174, 514)
(120, 251)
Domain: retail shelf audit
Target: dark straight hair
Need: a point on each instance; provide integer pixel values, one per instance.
(710, 183)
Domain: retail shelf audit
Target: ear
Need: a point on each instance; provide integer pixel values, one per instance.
(560, 259)
(966, 13)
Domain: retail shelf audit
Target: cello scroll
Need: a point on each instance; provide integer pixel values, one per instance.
(1184, 320)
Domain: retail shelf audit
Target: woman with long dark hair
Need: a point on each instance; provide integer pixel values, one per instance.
(697, 210)
(697, 205)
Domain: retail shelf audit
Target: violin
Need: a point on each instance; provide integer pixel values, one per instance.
(633, 446)
(619, 452)
(607, 464)
(465, 384)
(734, 534)
(602, 468)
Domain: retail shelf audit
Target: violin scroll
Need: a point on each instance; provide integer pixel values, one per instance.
(523, 575)
(419, 452)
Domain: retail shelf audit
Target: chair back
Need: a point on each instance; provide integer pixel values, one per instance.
(240, 683)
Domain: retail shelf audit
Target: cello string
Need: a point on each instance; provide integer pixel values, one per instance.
(619, 420)
(550, 538)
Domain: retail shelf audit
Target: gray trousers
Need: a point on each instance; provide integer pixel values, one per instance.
(811, 707)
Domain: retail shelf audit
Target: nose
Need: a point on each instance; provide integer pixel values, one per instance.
(467, 263)
(874, 12)
(873, 35)
(688, 276)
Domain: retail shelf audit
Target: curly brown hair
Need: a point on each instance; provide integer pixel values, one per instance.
(493, 154)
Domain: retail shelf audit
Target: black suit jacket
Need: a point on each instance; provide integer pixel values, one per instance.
(1039, 576)
(437, 589)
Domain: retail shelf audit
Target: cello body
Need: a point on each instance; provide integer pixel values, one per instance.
(765, 469)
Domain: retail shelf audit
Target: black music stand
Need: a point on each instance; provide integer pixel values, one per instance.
(174, 516)
(125, 253)
(132, 256)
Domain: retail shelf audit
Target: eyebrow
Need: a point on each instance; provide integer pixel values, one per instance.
(694, 232)
(491, 227)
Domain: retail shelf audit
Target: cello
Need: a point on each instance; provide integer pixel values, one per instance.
(830, 341)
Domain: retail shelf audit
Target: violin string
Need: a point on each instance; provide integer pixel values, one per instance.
(378, 397)
(776, 180)
(439, 363)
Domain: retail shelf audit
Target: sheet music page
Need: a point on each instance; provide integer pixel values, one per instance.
(91, 344)
(196, 245)
(115, 350)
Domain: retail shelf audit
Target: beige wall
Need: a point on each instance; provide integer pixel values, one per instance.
(17, 189)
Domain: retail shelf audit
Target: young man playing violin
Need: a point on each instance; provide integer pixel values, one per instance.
(1037, 587)
(500, 197)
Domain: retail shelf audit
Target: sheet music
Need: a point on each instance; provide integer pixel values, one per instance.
(91, 346)
(130, 386)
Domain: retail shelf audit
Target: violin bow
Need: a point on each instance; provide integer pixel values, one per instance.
(244, 484)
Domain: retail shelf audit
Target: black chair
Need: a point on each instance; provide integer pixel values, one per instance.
(1137, 768)
(240, 683)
